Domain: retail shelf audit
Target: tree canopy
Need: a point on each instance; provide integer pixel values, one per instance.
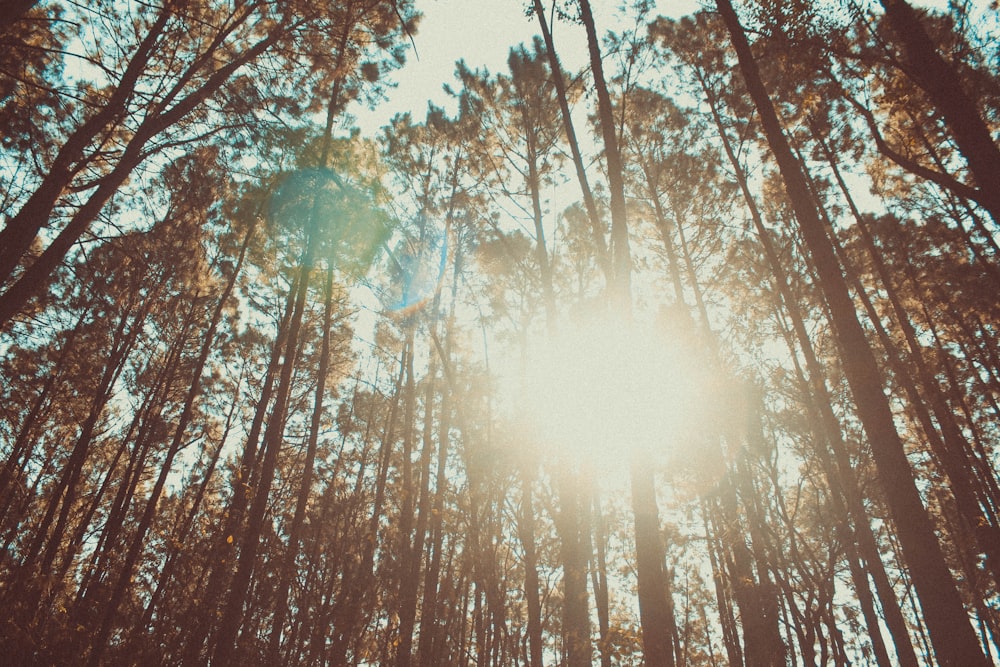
(683, 354)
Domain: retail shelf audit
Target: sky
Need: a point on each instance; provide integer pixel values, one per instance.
(481, 32)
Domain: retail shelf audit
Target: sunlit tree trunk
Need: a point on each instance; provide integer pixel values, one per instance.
(526, 533)
(654, 612)
(596, 226)
(599, 577)
(621, 258)
(715, 534)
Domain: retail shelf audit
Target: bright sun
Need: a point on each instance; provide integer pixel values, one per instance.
(604, 387)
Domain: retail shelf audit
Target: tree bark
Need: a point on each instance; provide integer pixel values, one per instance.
(621, 258)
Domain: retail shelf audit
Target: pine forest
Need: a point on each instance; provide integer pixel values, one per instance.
(668, 337)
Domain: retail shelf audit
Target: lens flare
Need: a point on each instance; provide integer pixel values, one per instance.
(603, 388)
(351, 228)
(416, 271)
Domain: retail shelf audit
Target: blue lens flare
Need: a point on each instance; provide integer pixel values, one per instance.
(416, 268)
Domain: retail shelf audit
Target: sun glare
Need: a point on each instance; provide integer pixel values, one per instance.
(604, 387)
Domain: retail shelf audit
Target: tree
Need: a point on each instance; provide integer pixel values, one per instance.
(953, 638)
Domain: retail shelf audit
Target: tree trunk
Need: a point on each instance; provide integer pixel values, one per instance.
(183, 421)
(654, 611)
(620, 254)
(414, 552)
(429, 648)
(596, 226)
(225, 645)
(841, 478)
(955, 456)
(576, 616)
(288, 569)
(943, 86)
(23, 227)
(599, 578)
(526, 532)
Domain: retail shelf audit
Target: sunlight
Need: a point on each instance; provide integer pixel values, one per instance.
(601, 388)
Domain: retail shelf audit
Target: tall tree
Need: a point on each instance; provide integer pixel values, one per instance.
(943, 610)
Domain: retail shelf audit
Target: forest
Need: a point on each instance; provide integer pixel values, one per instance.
(671, 342)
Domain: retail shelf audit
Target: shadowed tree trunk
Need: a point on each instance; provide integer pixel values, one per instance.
(225, 642)
(288, 567)
(842, 479)
(526, 532)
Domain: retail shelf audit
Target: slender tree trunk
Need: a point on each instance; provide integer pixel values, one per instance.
(64, 496)
(773, 648)
(663, 226)
(576, 615)
(21, 448)
(599, 577)
(526, 532)
(106, 550)
(184, 420)
(620, 254)
(429, 648)
(596, 226)
(22, 229)
(225, 644)
(955, 458)
(714, 535)
(288, 568)
(352, 610)
(541, 249)
(842, 477)
(183, 530)
(220, 561)
(409, 589)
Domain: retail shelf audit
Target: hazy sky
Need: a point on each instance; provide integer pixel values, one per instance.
(481, 32)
